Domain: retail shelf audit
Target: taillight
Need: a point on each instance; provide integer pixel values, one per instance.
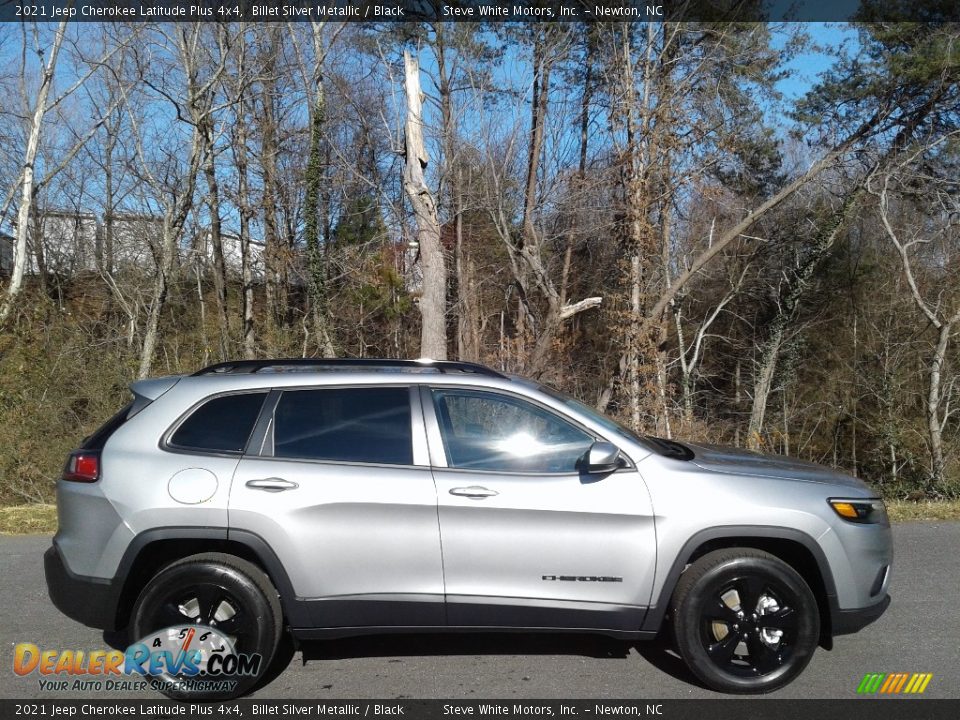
(82, 466)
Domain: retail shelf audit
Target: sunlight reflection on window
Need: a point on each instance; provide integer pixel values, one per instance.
(521, 444)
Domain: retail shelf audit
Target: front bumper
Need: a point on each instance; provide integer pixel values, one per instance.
(91, 601)
(846, 622)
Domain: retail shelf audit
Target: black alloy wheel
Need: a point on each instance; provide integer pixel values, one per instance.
(744, 621)
(233, 606)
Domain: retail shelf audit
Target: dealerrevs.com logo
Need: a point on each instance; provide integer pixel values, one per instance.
(188, 658)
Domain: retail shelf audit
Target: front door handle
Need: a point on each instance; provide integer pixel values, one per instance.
(272, 484)
(474, 492)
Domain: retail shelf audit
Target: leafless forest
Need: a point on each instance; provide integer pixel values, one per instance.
(629, 212)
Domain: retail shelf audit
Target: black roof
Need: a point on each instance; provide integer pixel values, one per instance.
(239, 367)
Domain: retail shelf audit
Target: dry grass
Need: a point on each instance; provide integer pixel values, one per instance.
(28, 520)
(907, 511)
(42, 519)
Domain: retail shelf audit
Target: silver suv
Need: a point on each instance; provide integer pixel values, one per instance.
(325, 498)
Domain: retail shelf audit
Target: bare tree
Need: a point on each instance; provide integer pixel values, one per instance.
(542, 307)
(433, 298)
(795, 282)
(690, 353)
(236, 84)
(926, 244)
(316, 188)
(173, 178)
(29, 182)
(209, 134)
(29, 159)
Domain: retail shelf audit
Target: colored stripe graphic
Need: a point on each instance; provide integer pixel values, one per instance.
(871, 683)
(900, 682)
(894, 683)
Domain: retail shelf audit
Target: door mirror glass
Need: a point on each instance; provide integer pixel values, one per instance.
(602, 457)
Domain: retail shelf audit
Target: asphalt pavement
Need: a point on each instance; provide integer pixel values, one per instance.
(919, 633)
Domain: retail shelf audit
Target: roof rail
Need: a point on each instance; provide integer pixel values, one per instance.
(242, 367)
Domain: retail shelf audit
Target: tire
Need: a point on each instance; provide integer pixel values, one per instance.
(232, 597)
(744, 621)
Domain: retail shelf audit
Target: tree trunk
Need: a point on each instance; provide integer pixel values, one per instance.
(244, 206)
(763, 384)
(29, 170)
(160, 288)
(462, 298)
(39, 251)
(106, 251)
(934, 401)
(639, 245)
(315, 181)
(273, 253)
(246, 270)
(538, 118)
(216, 242)
(433, 338)
(468, 315)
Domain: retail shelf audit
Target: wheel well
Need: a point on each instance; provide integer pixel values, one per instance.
(156, 555)
(794, 554)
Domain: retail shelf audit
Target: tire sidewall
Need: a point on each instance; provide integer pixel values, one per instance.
(240, 587)
(688, 625)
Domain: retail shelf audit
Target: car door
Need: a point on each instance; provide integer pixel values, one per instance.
(341, 490)
(528, 539)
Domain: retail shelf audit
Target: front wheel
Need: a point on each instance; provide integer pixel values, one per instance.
(206, 627)
(744, 621)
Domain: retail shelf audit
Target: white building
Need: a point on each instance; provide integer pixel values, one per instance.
(71, 242)
(134, 242)
(202, 252)
(68, 242)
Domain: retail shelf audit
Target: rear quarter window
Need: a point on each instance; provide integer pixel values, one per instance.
(221, 424)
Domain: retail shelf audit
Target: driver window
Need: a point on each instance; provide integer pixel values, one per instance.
(488, 431)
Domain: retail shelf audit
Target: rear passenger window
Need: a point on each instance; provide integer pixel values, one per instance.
(222, 424)
(369, 425)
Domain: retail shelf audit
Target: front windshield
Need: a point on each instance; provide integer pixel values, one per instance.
(668, 448)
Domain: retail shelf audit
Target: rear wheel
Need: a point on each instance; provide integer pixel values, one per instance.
(209, 604)
(744, 621)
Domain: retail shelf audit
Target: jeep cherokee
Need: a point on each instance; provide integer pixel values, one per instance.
(327, 498)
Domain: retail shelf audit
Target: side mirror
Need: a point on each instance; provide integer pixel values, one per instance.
(602, 457)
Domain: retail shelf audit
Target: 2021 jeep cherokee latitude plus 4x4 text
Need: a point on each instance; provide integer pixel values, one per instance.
(339, 497)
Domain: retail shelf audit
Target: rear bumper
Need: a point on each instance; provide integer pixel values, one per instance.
(91, 601)
(845, 622)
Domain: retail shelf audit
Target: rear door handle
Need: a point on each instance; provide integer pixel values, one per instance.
(474, 492)
(273, 484)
